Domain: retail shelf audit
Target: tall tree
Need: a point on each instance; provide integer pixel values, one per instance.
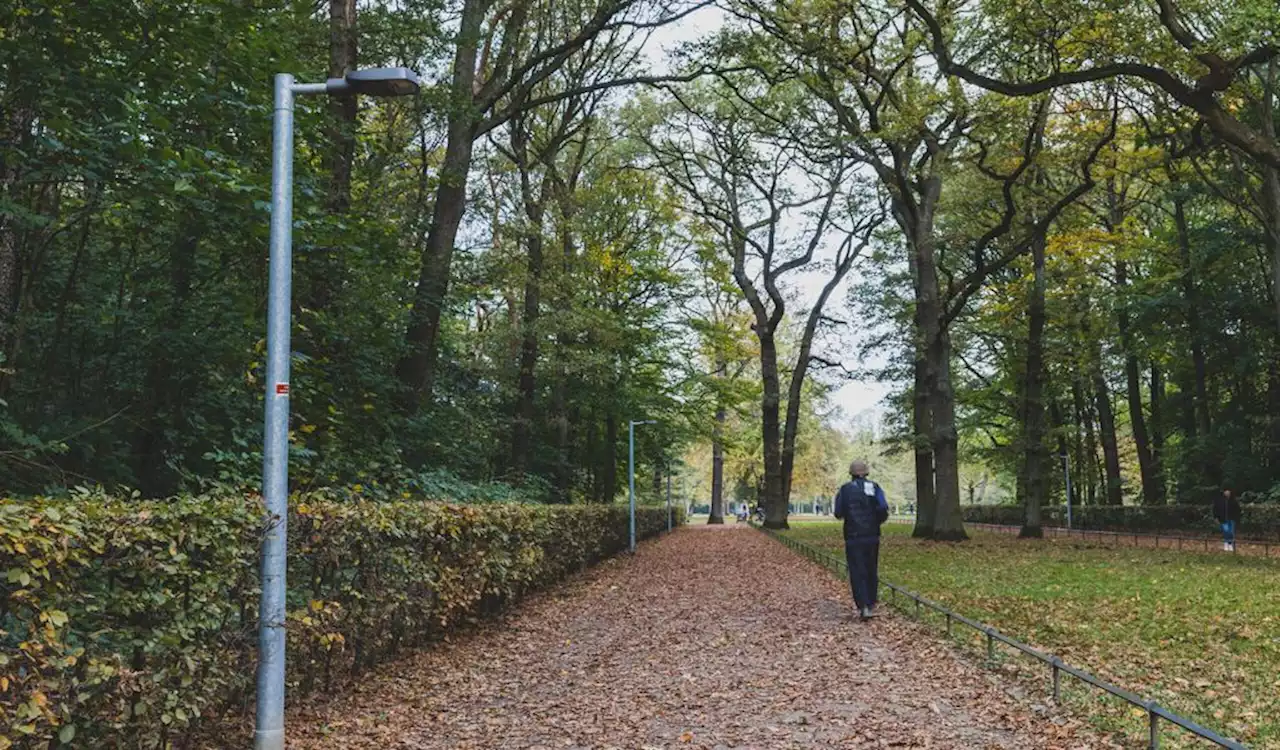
(502, 56)
(747, 184)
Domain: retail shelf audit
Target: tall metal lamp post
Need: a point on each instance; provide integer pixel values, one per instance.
(269, 728)
(631, 474)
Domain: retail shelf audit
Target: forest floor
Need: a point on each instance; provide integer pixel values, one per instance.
(1198, 633)
(711, 637)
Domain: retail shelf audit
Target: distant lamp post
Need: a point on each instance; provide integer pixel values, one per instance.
(631, 474)
(269, 727)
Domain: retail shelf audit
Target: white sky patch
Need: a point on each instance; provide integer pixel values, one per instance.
(859, 401)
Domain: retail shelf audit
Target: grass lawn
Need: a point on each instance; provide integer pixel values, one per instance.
(1198, 633)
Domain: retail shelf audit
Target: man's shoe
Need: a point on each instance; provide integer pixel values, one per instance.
(865, 613)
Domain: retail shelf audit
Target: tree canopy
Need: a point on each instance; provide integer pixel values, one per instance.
(1053, 231)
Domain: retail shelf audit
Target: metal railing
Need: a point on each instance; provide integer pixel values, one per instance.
(1253, 547)
(1155, 712)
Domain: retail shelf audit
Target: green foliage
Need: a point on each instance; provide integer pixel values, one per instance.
(130, 623)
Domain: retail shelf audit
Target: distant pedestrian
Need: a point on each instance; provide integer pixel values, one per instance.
(861, 504)
(1226, 509)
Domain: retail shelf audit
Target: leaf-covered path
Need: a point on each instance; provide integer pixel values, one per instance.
(708, 638)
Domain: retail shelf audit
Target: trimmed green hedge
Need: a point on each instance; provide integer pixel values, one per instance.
(1257, 522)
(132, 623)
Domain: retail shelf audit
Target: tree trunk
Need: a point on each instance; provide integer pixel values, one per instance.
(1110, 447)
(1151, 492)
(918, 227)
(522, 423)
(775, 505)
(534, 205)
(948, 521)
(1273, 397)
(1064, 449)
(1271, 184)
(560, 392)
(717, 467)
(1035, 452)
(562, 486)
(417, 369)
(165, 390)
(921, 427)
(1157, 430)
(1192, 302)
(1087, 460)
(321, 269)
(68, 294)
(1271, 230)
(592, 456)
(14, 127)
(343, 110)
(610, 463)
(795, 389)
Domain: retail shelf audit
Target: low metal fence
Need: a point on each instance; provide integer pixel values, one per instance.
(1254, 547)
(1155, 712)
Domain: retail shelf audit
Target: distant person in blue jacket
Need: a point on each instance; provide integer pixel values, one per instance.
(1226, 509)
(862, 506)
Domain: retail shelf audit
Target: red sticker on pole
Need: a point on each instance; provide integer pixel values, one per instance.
(282, 389)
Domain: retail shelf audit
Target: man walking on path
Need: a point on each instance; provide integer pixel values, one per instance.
(1226, 509)
(861, 504)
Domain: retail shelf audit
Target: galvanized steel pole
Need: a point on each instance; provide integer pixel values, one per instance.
(631, 481)
(269, 730)
(269, 725)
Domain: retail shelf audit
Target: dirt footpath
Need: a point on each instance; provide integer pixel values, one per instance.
(709, 638)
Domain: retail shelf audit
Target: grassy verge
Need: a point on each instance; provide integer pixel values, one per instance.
(1198, 633)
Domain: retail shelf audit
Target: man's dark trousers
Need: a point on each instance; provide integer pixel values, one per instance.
(863, 556)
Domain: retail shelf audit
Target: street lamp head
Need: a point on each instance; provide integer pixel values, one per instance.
(376, 82)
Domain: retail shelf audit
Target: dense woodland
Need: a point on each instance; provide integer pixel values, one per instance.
(1054, 228)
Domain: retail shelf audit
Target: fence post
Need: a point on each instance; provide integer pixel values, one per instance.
(1057, 680)
(991, 647)
(1153, 741)
(948, 624)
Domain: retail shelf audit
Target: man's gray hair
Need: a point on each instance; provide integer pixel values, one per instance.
(858, 468)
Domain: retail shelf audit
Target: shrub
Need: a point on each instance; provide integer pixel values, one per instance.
(132, 623)
(1258, 522)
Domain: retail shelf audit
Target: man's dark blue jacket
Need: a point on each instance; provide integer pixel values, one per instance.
(862, 506)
